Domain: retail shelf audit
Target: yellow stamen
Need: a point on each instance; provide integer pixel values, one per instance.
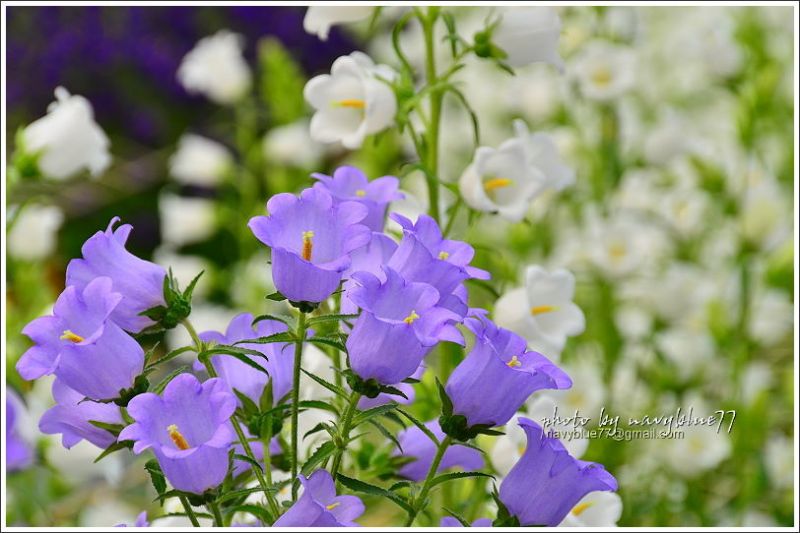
(515, 362)
(307, 245)
(602, 76)
(496, 183)
(443, 256)
(332, 506)
(521, 450)
(581, 507)
(412, 316)
(361, 193)
(540, 309)
(72, 337)
(355, 103)
(177, 438)
(617, 251)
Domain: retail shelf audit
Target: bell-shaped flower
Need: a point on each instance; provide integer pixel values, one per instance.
(71, 415)
(604, 70)
(199, 161)
(67, 139)
(542, 311)
(319, 506)
(500, 180)
(498, 375)
(368, 258)
(216, 68)
(399, 324)
(18, 453)
(311, 238)
(352, 101)
(596, 509)
(428, 232)
(244, 378)
(350, 184)
(418, 445)
(541, 153)
(140, 282)
(320, 18)
(529, 35)
(548, 482)
(188, 428)
(81, 345)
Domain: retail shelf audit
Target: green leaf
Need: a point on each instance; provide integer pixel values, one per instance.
(237, 353)
(170, 356)
(114, 429)
(276, 297)
(328, 341)
(400, 485)
(318, 404)
(325, 450)
(442, 478)
(447, 404)
(386, 433)
(476, 130)
(187, 294)
(322, 426)
(330, 318)
(255, 510)
(283, 336)
(119, 445)
(328, 385)
(419, 424)
(248, 460)
(485, 286)
(159, 388)
(244, 492)
(280, 318)
(373, 490)
(248, 406)
(378, 410)
(457, 516)
(157, 478)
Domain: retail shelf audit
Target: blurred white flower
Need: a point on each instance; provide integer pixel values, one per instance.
(77, 463)
(199, 161)
(632, 321)
(765, 210)
(67, 139)
(596, 509)
(528, 35)
(622, 244)
(700, 449)
(668, 139)
(351, 102)
(540, 408)
(500, 180)
(292, 145)
(542, 311)
(689, 351)
(779, 458)
(771, 317)
(541, 153)
(216, 68)
(186, 220)
(603, 70)
(33, 235)
(588, 391)
(508, 449)
(185, 268)
(319, 19)
(106, 512)
(756, 379)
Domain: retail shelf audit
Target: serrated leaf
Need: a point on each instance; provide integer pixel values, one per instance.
(373, 490)
(243, 492)
(325, 450)
(330, 318)
(248, 460)
(458, 517)
(328, 385)
(386, 433)
(119, 445)
(328, 341)
(378, 410)
(276, 297)
(168, 357)
(114, 429)
(283, 336)
(388, 389)
(260, 318)
(322, 426)
(401, 485)
(420, 425)
(238, 354)
(157, 478)
(248, 406)
(318, 404)
(447, 404)
(259, 512)
(442, 478)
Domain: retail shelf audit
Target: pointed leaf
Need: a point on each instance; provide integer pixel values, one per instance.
(325, 450)
(373, 490)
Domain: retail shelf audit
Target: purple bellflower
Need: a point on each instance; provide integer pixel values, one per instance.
(18, 453)
(140, 282)
(188, 428)
(369, 258)
(398, 326)
(319, 506)
(81, 345)
(242, 377)
(350, 184)
(547, 481)
(71, 415)
(311, 239)
(418, 445)
(498, 375)
(449, 521)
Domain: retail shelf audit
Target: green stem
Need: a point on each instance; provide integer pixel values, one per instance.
(214, 508)
(189, 511)
(248, 451)
(344, 432)
(198, 344)
(432, 148)
(426, 486)
(298, 355)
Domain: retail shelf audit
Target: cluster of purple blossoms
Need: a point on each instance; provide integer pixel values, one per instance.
(406, 297)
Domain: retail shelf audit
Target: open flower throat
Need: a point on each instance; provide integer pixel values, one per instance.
(308, 245)
(180, 441)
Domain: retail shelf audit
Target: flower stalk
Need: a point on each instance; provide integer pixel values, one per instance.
(426, 485)
(344, 432)
(300, 335)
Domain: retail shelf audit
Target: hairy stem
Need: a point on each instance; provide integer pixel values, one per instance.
(214, 508)
(298, 355)
(426, 486)
(189, 511)
(344, 432)
(432, 149)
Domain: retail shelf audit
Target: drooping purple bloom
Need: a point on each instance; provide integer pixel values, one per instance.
(71, 415)
(244, 378)
(547, 481)
(141, 521)
(368, 258)
(188, 428)
(365, 403)
(398, 326)
(18, 452)
(319, 506)
(140, 282)
(350, 184)
(498, 375)
(311, 239)
(428, 232)
(449, 521)
(416, 444)
(81, 345)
